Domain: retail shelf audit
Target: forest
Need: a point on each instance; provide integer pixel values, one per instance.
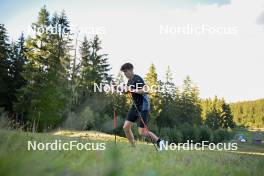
(47, 83)
(249, 113)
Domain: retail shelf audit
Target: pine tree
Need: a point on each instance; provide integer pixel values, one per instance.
(170, 90)
(154, 96)
(18, 61)
(86, 68)
(11, 62)
(220, 110)
(249, 113)
(94, 65)
(169, 102)
(190, 103)
(5, 63)
(100, 65)
(227, 117)
(45, 97)
(213, 119)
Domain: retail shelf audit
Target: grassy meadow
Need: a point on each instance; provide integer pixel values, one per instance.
(120, 158)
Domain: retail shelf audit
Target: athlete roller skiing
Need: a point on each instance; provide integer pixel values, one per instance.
(139, 111)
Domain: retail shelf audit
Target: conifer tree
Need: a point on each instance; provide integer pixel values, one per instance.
(45, 97)
(154, 96)
(5, 63)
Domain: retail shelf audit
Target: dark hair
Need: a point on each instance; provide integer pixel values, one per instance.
(126, 66)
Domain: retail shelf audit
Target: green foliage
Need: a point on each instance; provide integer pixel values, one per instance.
(154, 96)
(94, 66)
(84, 120)
(220, 135)
(213, 119)
(190, 102)
(12, 60)
(189, 132)
(249, 113)
(186, 132)
(227, 117)
(164, 132)
(216, 113)
(120, 159)
(43, 85)
(44, 98)
(4, 121)
(179, 107)
(5, 67)
(175, 135)
(205, 133)
(169, 102)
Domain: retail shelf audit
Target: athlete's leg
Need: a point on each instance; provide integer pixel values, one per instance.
(127, 129)
(131, 117)
(145, 132)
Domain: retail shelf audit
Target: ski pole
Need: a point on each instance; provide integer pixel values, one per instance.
(115, 123)
(144, 124)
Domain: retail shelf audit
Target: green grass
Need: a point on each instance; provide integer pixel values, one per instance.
(249, 146)
(118, 159)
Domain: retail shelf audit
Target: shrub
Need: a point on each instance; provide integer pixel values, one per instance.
(8, 123)
(187, 132)
(175, 135)
(80, 121)
(196, 134)
(153, 127)
(205, 133)
(164, 133)
(219, 135)
(4, 121)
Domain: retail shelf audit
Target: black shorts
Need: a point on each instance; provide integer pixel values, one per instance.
(133, 116)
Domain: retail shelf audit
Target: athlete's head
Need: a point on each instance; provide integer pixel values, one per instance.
(127, 68)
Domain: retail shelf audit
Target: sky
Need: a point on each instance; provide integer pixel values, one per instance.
(218, 43)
